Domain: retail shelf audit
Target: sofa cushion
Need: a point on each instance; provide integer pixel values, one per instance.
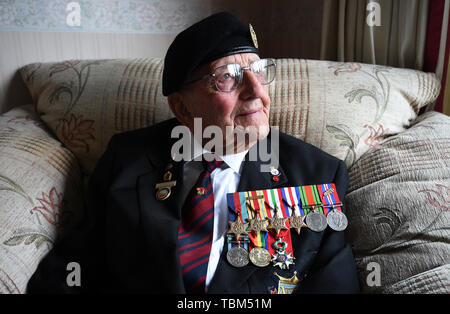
(40, 195)
(433, 281)
(399, 206)
(342, 108)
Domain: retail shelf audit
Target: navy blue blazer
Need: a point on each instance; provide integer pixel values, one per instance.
(127, 241)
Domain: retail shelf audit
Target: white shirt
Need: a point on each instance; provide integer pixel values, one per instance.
(225, 179)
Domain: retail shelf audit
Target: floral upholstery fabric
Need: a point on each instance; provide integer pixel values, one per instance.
(399, 203)
(40, 195)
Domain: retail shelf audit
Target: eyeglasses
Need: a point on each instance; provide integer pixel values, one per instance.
(228, 77)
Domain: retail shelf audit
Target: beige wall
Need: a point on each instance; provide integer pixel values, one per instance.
(23, 47)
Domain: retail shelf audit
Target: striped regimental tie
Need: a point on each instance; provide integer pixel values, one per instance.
(196, 230)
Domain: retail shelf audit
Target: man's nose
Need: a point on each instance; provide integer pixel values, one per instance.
(251, 86)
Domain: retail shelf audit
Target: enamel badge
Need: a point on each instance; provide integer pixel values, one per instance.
(253, 34)
(164, 189)
(285, 285)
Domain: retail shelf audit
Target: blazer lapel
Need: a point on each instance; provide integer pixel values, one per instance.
(232, 279)
(160, 220)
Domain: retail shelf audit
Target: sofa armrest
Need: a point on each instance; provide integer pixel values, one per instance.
(397, 207)
(41, 191)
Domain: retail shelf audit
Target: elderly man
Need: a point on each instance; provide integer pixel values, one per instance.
(157, 224)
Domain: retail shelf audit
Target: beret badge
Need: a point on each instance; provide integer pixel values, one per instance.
(253, 34)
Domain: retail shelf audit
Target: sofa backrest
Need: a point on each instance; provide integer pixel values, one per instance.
(343, 108)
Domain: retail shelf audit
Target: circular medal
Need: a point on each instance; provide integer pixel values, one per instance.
(237, 256)
(259, 257)
(316, 221)
(337, 220)
(162, 194)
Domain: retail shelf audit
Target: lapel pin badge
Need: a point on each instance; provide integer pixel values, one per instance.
(275, 174)
(164, 189)
(167, 176)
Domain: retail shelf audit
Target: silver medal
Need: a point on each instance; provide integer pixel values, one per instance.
(237, 256)
(316, 221)
(337, 220)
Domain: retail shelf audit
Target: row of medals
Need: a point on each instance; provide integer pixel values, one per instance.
(315, 220)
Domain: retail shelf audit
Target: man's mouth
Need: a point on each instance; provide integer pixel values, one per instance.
(249, 113)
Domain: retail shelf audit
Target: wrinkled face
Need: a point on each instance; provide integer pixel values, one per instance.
(248, 106)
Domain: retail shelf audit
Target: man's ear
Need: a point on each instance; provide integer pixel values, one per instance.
(179, 109)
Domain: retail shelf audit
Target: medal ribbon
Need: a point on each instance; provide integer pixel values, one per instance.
(328, 198)
(291, 196)
(252, 211)
(309, 197)
(261, 207)
(285, 201)
(274, 198)
(263, 216)
(235, 201)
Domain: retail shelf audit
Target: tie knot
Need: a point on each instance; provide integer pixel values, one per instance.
(209, 166)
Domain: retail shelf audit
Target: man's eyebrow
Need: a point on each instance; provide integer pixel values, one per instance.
(226, 63)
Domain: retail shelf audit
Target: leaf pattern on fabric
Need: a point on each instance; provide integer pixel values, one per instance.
(27, 238)
(51, 206)
(75, 88)
(376, 135)
(345, 67)
(379, 92)
(349, 139)
(76, 132)
(401, 231)
(6, 184)
(439, 198)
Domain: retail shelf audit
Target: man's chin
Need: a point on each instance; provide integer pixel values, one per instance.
(242, 138)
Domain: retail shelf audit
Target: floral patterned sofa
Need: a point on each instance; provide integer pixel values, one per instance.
(398, 201)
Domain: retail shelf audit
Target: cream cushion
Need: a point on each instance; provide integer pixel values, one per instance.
(398, 206)
(40, 195)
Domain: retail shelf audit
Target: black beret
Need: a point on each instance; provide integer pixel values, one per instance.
(217, 36)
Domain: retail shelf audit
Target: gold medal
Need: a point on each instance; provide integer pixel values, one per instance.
(259, 257)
